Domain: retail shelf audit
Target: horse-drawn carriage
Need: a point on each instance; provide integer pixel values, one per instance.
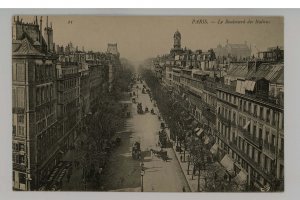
(136, 151)
(163, 154)
(133, 100)
(140, 108)
(152, 111)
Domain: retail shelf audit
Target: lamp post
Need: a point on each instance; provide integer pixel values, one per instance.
(142, 177)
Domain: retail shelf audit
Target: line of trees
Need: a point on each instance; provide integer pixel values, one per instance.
(174, 113)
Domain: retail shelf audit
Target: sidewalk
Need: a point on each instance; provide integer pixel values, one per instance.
(193, 180)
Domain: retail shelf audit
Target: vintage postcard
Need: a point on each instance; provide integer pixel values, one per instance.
(148, 103)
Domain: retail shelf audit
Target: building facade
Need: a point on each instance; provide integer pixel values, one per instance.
(34, 105)
(237, 101)
(52, 92)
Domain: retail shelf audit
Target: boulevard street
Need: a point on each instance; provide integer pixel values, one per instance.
(123, 173)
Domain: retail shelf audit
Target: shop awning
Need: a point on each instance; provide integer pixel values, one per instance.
(194, 123)
(214, 148)
(241, 178)
(246, 125)
(189, 119)
(228, 163)
(199, 132)
(206, 139)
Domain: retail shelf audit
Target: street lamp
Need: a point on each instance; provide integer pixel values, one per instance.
(142, 175)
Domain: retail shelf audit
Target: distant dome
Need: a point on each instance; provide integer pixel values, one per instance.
(177, 34)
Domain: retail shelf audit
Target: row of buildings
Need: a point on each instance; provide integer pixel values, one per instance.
(239, 98)
(53, 89)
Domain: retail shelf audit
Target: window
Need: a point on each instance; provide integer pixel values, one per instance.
(274, 116)
(267, 136)
(21, 118)
(20, 97)
(268, 115)
(255, 110)
(37, 73)
(266, 163)
(249, 107)
(282, 144)
(245, 106)
(14, 130)
(20, 130)
(261, 113)
(38, 96)
(15, 158)
(21, 159)
(273, 140)
(14, 73)
(22, 178)
(260, 134)
(281, 175)
(14, 98)
(254, 130)
(234, 117)
(20, 70)
(22, 147)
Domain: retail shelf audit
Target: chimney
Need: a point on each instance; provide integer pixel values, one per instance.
(41, 30)
(47, 32)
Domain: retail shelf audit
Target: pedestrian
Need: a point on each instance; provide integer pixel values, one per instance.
(183, 189)
(225, 177)
(181, 158)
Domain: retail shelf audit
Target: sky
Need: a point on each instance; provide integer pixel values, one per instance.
(141, 37)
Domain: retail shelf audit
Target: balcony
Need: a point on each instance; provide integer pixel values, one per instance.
(228, 103)
(281, 154)
(210, 89)
(19, 167)
(251, 138)
(234, 124)
(18, 110)
(226, 121)
(269, 147)
(233, 146)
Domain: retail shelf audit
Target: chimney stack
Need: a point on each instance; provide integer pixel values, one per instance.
(41, 30)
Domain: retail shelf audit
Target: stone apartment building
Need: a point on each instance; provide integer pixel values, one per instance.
(34, 100)
(241, 107)
(52, 91)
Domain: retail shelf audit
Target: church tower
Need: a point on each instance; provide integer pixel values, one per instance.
(176, 50)
(177, 40)
(48, 36)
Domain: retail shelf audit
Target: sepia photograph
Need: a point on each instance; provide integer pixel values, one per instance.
(147, 103)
